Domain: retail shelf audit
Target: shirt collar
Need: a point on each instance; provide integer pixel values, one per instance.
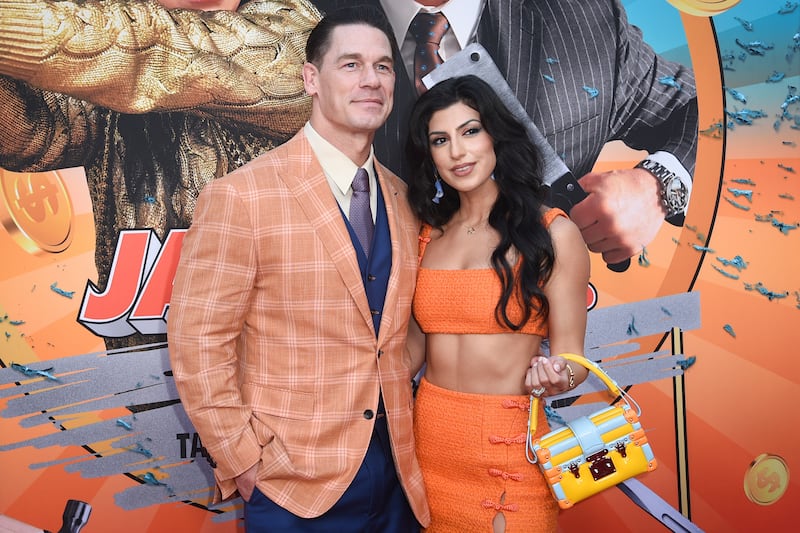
(462, 15)
(339, 168)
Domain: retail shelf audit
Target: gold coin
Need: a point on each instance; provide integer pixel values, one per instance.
(36, 210)
(767, 479)
(703, 8)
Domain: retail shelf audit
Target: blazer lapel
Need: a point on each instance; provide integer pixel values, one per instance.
(395, 230)
(312, 191)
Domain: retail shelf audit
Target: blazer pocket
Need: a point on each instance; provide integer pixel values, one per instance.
(278, 402)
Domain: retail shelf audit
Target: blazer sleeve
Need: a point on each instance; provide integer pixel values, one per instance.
(210, 297)
(655, 99)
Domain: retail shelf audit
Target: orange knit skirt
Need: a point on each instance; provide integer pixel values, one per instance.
(471, 448)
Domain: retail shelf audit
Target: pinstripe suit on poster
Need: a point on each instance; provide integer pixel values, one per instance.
(595, 48)
(270, 293)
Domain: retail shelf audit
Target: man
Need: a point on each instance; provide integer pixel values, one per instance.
(287, 327)
(585, 77)
(153, 103)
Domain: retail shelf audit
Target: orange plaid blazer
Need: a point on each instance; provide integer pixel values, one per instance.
(271, 339)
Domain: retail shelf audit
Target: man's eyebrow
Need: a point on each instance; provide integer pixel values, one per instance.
(360, 57)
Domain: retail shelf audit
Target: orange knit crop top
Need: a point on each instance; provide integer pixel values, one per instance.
(463, 301)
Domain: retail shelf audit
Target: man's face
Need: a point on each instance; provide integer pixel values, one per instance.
(203, 5)
(353, 88)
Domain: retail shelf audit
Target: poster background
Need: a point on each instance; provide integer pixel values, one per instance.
(739, 393)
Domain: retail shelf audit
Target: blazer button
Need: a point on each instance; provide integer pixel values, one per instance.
(374, 311)
(368, 414)
(370, 277)
(380, 353)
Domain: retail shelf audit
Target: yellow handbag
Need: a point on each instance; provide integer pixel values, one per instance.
(592, 453)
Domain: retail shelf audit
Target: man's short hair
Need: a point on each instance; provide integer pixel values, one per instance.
(319, 41)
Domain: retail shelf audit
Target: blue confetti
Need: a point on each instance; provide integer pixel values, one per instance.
(28, 371)
(747, 25)
(122, 423)
(775, 77)
(729, 330)
(786, 196)
(551, 61)
(786, 168)
(150, 479)
(549, 78)
(787, 8)
(702, 248)
(553, 416)
(737, 95)
(62, 292)
(670, 81)
(591, 91)
(632, 327)
(138, 448)
(761, 289)
(737, 205)
(16, 322)
(737, 262)
(8, 335)
(150, 199)
(686, 363)
(643, 260)
(714, 130)
(744, 181)
(789, 143)
(741, 192)
(665, 311)
(726, 274)
(784, 228)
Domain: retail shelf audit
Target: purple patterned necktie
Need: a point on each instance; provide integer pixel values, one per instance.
(427, 29)
(360, 213)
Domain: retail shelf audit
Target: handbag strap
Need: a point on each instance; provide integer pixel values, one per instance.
(594, 369)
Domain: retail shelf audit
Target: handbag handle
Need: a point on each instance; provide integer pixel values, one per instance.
(594, 369)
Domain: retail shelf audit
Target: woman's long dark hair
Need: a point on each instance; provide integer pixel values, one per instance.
(516, 214)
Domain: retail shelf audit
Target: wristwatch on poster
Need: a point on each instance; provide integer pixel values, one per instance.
(674, 193)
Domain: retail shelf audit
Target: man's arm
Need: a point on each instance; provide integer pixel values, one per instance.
(211, 291)
(137, 57)
(655, 110)
(42, 131)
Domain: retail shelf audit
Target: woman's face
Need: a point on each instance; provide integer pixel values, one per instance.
(462, 150)
(203, 5)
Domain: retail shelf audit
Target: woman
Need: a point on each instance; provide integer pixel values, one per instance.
(499, 272)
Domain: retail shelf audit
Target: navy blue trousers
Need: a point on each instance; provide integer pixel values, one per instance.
(374, 502)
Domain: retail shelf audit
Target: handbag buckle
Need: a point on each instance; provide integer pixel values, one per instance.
(621, 449)
(601, 465)
(575, 469)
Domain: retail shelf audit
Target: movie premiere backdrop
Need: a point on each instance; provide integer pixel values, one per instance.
(702, 329)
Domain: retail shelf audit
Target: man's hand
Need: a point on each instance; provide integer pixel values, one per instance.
(622, 213)
(246, 482)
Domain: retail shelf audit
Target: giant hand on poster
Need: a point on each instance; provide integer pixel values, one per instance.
(83, 420)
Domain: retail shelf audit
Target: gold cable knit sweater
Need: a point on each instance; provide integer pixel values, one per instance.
(213, 90)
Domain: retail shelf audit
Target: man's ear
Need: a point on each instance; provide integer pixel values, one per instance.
(310, 74)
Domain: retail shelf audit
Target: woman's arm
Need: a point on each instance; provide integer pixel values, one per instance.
(566, 295)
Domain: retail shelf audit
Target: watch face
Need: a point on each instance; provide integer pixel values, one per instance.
(675, 194)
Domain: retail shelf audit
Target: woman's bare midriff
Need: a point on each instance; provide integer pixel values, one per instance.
(481, 364)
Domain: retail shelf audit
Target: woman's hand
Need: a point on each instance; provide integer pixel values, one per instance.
(548, 376)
